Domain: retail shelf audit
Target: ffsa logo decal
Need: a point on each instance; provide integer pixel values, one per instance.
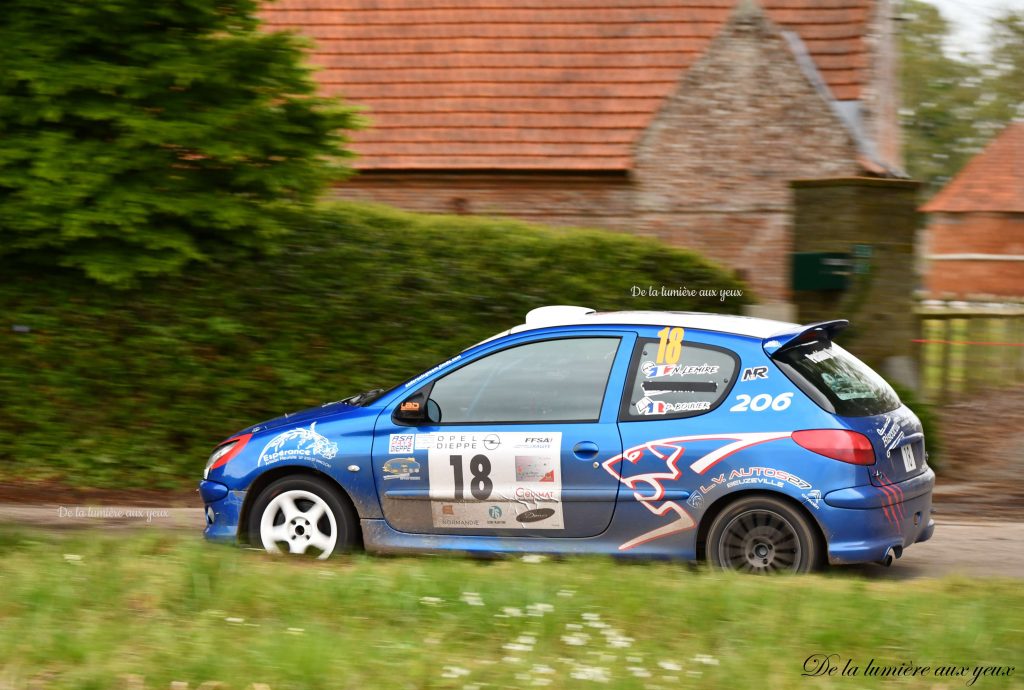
(670, 451)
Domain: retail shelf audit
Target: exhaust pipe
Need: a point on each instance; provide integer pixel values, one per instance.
(891, 554)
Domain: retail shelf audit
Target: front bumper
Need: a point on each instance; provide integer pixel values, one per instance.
(862, 523)
(223, 509)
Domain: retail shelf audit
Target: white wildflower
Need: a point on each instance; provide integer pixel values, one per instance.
(454, 672)
(593, 673)
(538, 610)
(515, 647)
(472, 598)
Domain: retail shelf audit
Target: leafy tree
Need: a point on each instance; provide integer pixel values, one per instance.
(1003, 86)
(953, 105)
(940, 96)
(136, 136)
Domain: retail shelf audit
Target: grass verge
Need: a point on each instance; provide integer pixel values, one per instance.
(88, 610)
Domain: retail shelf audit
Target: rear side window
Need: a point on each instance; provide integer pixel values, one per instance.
(693, 385)
(835, 379)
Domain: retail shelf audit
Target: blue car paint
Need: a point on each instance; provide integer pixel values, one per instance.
(860, 515)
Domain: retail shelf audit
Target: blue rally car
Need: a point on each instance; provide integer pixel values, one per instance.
(757, 445)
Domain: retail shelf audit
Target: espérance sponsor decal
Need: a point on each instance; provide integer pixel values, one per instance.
(298, 444)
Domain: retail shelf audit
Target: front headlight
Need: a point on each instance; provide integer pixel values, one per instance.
(226, 451)
(218, 454)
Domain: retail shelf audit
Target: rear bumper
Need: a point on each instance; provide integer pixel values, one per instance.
(862, 523)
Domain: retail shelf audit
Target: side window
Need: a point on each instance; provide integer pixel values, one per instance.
(673, 382)
(547, 381)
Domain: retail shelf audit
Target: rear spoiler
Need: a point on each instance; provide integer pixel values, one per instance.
(784, 340)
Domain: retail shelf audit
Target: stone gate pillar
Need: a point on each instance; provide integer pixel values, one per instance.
(870, 224)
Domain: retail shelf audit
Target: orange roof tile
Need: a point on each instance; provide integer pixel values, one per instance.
(991, 181)
(533, 84)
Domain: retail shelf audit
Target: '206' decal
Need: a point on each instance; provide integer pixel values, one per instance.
(762, 402)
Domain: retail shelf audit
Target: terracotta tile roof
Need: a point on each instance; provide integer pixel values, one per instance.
(533, 84)
(991, 181)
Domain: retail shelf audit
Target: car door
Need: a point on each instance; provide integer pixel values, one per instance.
(518, 446)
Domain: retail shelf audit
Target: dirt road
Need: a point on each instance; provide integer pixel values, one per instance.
(984, 549)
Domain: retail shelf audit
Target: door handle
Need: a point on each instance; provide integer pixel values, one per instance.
(585, 450)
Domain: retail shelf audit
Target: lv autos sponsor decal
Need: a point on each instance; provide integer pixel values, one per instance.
(762, 476)
(670, 452)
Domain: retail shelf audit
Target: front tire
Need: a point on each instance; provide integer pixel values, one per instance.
(762, 535)
(302, 516)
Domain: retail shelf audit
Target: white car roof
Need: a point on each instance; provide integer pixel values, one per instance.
(564, 315)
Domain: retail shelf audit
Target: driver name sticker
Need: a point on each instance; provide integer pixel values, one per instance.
(495, 480)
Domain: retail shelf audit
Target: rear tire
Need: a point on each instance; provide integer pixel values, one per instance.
(302, 515)
(762, 535)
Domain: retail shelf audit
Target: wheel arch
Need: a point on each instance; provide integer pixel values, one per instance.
(272, 475)
(723, 502)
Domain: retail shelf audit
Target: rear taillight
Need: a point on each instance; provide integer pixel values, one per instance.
(838, 444)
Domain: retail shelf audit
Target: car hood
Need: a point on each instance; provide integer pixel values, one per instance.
(334, 409)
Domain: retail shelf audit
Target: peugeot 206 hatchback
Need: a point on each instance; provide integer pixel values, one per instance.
(757, 445)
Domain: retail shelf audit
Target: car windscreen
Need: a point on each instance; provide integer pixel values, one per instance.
(834, 378)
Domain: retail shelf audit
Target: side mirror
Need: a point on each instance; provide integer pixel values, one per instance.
(417, 409)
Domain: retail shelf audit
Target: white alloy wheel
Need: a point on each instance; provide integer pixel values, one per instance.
(299, 519)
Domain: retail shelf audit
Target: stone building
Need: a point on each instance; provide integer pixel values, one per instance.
(975, 235)
(684, 120)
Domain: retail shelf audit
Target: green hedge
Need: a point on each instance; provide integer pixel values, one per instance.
(135, 387)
